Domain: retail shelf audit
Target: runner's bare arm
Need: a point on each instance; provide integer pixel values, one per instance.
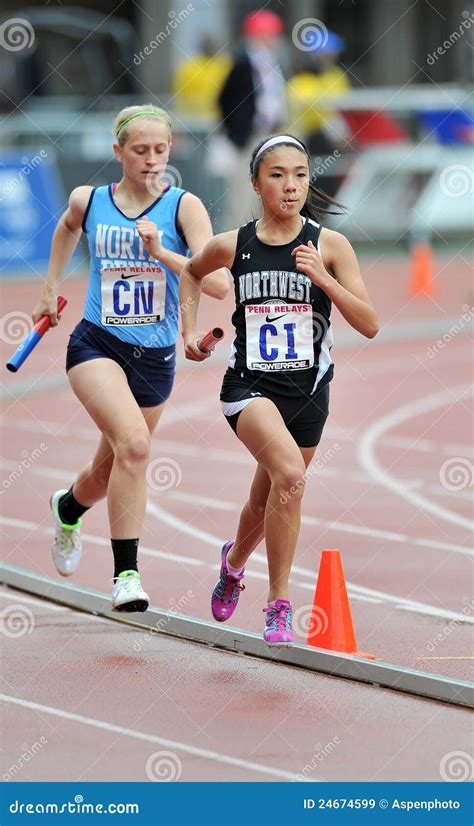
(218, 252)
(196, 227)
(337, 272)
(65, 239)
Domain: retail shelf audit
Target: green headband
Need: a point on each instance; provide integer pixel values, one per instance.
(139, 115)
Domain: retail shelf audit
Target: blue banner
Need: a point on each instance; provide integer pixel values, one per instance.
(237, 804)
(31, 202)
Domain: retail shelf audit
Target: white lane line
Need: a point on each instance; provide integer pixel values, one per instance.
(151, 738)
(203, 501)
(403, 442)
(176, 558)
(368, 440)
(226, 505)
(177, 413)
(228, 456)
(361, 530)
(24, 525)
(344, 527)
(355, 591)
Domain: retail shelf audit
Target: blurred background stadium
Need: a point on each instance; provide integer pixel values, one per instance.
(380, 89)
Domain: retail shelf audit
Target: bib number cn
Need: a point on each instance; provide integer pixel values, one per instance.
(133, 295)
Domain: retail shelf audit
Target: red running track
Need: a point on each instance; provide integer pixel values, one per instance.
(392, 493)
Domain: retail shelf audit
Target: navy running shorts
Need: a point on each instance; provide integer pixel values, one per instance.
(304, 415)
(149, 370)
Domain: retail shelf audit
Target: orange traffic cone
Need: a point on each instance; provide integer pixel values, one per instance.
(331, 620)
(422, 282)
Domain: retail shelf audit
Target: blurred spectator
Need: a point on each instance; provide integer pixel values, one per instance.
(198, 80)
(317, 78)
(252, 104)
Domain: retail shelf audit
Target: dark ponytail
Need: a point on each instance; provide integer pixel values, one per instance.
(317, 201)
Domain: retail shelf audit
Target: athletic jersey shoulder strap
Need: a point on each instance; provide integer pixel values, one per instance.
(89, 204)
(312, 230)
(245, 235)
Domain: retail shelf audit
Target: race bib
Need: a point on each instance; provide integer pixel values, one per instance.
(133, 295)
(279, 336)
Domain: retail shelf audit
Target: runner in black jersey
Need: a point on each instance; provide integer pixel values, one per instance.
(287, 272)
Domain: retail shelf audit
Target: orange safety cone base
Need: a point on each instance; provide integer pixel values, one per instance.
(362, 654)
(365, 656)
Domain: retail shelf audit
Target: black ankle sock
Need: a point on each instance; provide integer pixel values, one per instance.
(125, 555)
(70, 510)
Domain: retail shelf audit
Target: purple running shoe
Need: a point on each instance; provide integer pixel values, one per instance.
(226, 593)
(278, 629)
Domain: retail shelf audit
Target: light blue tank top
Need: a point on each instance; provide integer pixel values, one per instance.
(131, 295)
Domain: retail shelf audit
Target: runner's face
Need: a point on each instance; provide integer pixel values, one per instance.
(283, 181)
(145, 153)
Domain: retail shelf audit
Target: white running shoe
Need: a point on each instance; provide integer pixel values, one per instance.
(128, 594)
(67, 540)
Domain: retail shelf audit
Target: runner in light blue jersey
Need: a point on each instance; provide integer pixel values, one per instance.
(129, 291)
(121, 355)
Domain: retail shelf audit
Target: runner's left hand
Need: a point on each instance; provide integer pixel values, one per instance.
(149, 233)
(309, 261)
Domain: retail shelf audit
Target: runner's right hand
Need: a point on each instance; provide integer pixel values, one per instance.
(47, 305)
(191, 349)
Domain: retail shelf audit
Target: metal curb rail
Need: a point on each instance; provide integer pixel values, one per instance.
(381, 674)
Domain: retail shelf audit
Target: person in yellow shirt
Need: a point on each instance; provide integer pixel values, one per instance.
(317, 79)
(199, 79)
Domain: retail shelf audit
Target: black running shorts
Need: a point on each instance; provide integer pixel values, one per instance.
(304, 415)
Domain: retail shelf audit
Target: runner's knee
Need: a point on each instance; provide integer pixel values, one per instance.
(133, 450)
(290, 481)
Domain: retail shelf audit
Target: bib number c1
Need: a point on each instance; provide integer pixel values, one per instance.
(279, 337)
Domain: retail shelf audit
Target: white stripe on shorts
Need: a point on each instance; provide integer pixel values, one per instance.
(231, 408)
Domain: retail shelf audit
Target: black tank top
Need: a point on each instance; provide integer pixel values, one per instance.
(283, 334)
